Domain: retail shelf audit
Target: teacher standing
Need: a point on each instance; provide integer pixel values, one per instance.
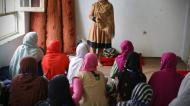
(103, 29)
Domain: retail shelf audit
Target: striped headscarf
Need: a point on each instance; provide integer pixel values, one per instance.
(141, 96)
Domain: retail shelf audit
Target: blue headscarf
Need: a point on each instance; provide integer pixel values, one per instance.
(28, 48)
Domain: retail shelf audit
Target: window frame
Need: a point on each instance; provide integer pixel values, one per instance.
(41, 8)
(16, 26)
(5, 13)
(3, 7)
(22, 23)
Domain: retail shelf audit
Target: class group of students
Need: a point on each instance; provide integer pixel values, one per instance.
(52, 79)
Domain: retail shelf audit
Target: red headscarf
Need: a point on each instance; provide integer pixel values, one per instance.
(166, 82)
(90, 62)
(126, 47)
(54, 62)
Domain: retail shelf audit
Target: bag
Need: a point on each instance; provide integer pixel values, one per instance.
(110, 52)
(108, 56)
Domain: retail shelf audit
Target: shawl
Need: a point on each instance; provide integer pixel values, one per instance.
(54, 62)
(126, 47)
(167, 75)
(90, 62)
(27, 88)
(59, 92)
(76, 62)
(28, 48)
(183, 97)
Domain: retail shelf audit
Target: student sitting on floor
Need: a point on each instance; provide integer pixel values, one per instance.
(28, 88)
(54, 62)
(90, 84)
(183, 97)
(141, 96)
(76, 62)
(28, 48)
(165, 82)
(126, 47)
(129, 77)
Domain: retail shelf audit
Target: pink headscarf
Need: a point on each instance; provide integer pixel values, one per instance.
(168, 62)
(90, 62)
(166, 82)
(126, 47)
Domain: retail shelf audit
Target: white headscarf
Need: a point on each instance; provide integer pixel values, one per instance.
(76, 62)
(28, 48)
(183, 97)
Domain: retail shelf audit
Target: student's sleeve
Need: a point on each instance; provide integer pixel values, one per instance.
(77, 89)
(114, 70)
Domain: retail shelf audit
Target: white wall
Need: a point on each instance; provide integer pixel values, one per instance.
(186, 49)
(7, 50)
(163, 20)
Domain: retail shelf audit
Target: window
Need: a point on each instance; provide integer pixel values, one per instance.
(8, 19)
(32, 5)
(8, 25)
(1, 7)
(14, 22)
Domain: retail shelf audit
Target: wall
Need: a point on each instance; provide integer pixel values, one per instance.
(186, 48)
(163, 20)
(7, 51)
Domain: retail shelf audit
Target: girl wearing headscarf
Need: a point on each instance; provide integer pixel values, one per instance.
(126, 48)
(129, 77)
(28, 88)
(28, 48)
(183, 97)
(76, 62)
(54, 62)
(90, 84)
(166, 82)
(141, 96)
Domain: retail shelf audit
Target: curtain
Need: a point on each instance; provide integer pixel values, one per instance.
(57, 22)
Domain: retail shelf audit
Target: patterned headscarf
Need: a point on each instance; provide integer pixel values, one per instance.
(141, 96)
(126, 47)
(142, 93)
(90, 62)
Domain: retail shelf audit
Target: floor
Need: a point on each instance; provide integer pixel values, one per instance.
(150, 65)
